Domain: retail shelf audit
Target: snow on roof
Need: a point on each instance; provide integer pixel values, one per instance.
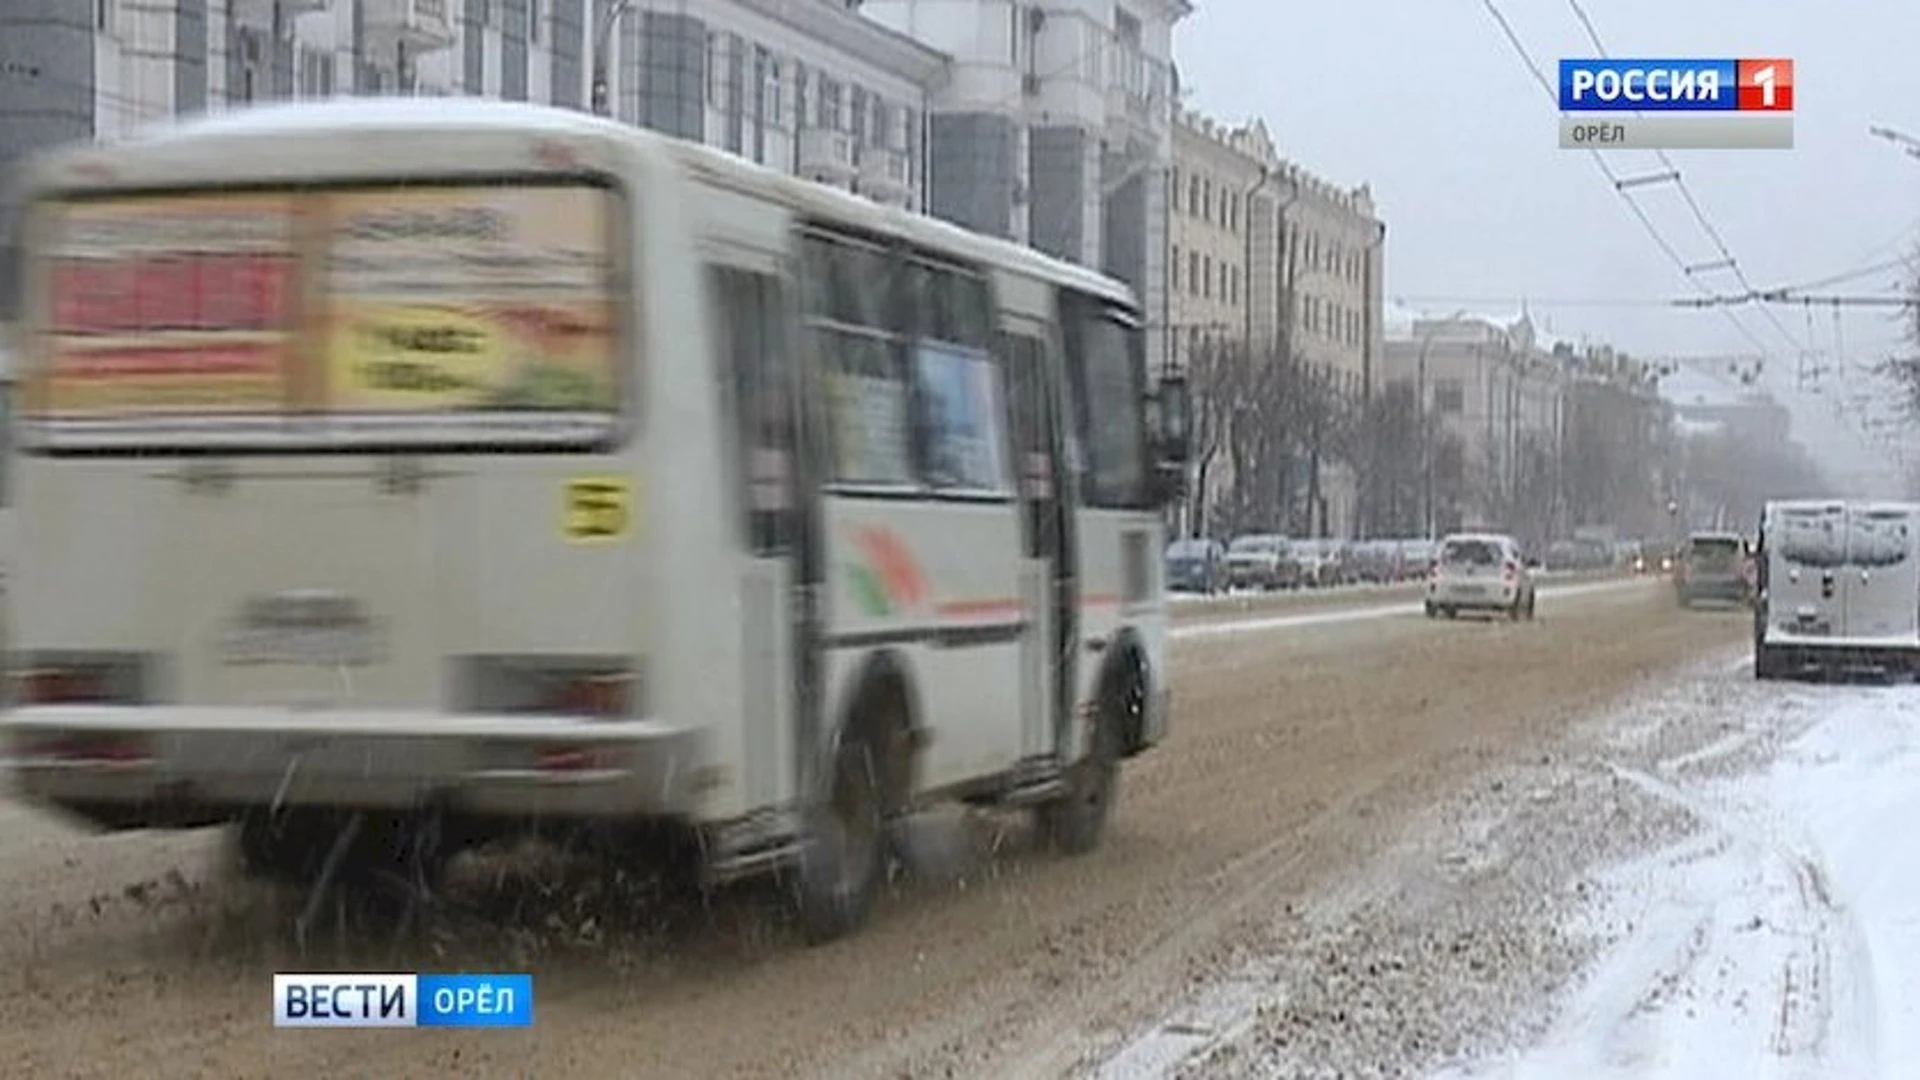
(473, 113)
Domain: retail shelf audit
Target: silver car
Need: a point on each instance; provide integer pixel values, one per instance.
(1480, 572)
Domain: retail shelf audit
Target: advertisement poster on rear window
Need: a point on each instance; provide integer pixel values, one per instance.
(465, 300)
(167, 305)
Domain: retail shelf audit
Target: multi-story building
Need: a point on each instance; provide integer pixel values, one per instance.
(1495, 398)
(1332, 274)
(1055, 128)
(1266, 254)
(1221, 254)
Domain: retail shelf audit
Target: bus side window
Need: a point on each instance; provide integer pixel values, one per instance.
(1106, 372)
(748, 310)
(852, 330)
(959, 391)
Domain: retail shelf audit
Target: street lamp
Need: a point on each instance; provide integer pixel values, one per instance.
(615, 8)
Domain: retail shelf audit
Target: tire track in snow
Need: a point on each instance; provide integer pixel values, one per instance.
(1808, 1010)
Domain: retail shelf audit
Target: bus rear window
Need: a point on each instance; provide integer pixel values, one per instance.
(483, 313)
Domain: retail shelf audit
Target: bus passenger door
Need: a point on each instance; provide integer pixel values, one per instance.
(1047, 578)
(749, 312)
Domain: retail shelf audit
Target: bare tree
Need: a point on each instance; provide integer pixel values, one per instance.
(1217, 375)
(1389, 432)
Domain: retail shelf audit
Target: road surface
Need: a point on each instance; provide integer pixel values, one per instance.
(1301, 751)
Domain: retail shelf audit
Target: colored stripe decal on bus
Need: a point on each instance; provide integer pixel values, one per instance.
(887, 579)
(962, 609)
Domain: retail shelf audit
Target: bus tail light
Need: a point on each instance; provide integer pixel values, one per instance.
(599, 688)
(93, 679)
(103, 749)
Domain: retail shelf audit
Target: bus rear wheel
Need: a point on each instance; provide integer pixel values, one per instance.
(843, 855)
(1076, 822)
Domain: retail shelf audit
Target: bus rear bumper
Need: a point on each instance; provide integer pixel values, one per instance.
(143, 767)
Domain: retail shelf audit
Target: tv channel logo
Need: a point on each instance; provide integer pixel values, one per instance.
(399, 1000)
(1747, 86)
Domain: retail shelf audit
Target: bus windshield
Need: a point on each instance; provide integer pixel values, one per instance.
(442, 314)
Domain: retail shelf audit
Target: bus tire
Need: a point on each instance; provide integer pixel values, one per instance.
(1075, 823)
(843, 853)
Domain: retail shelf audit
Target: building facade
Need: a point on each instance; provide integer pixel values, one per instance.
(1221, 237)
(1494, 394)
(1267, 255)
(1055, 129)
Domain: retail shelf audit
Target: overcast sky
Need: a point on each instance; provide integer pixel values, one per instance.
(1427, 101)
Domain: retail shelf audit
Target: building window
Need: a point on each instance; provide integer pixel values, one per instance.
(1449, 396)
(1233, 284)
(1193, 272)
(1174, 269)
(830, 105)
(716, 69)
(1206, 279)
(103, 15)
(1173, 190)
(857, 114)
(533, 21)
(767, 67)
(1193, 195)
(316, 73)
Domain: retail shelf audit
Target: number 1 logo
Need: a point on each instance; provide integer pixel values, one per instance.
(1765, 85)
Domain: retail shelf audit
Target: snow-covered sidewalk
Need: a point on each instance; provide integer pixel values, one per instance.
(1782, 939)
(1715, 879)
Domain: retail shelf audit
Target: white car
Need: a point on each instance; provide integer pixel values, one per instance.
(1480, 572)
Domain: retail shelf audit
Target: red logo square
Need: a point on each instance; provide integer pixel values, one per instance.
(1765, 85)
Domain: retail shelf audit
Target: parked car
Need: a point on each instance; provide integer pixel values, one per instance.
(1416, 559)
(1319, 562)
(1480, 572)
(1837, 587)
(1711, 566)
(1197, 564)
(1259, 561)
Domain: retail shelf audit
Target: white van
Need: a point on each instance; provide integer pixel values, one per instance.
(1839, 587)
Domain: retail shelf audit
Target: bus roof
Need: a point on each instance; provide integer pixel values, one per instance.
(347, 116)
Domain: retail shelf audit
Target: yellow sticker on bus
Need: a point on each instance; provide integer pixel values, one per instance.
(598, 509)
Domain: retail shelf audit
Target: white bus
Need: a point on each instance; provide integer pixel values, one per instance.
(401, 470)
